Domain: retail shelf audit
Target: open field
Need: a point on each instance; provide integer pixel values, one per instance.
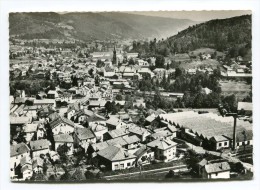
(241, 89)
(206, 51)
(197, 64)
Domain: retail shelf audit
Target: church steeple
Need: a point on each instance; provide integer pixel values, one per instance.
(114, 61)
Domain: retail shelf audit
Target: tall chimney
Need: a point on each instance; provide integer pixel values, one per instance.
(234, 132)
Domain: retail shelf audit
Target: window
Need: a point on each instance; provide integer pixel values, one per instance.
(248, 142)
(225, 143)
(237, 144)
(216, 174)
(121, 166)
(219, 144)
(21, 155)
(128, 164)
(116, 166)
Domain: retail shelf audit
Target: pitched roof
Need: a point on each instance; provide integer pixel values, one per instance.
(20, 120)
(217, 167)
(219, 138)
(162, 144)
(39, 144)
(96, 117)
(84, 133)
(113, 121)
(163, 133)
(142, 150)
(118, 133)
(63, 138)
(30, 128)
(18, 149)
(100, 146)
(60, 120)
(131, 139)
(44, 101)
(114, 153)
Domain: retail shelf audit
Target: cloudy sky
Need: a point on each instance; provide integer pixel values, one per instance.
(196, 15)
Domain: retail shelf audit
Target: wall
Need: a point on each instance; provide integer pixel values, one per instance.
(124, 164)
(62, 128)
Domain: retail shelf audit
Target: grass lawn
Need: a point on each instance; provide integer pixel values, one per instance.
(212, 63)
(206, 51)
(241, 89)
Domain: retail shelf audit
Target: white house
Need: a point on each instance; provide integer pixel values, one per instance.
(164, 150)
(64, 139)
(83, 137)
(62, 125)
(17, 152)
(219, 170)
(116, 158)
(39, 147)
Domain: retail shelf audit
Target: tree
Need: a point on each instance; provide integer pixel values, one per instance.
(159, 62)
(170, 174)
(131, 61)
(178, 72)
(119, 97)
(90, 72)
(100, 63)
(62, 151)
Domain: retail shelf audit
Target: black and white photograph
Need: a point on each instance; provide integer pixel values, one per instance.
(130, 96)
(107, 96)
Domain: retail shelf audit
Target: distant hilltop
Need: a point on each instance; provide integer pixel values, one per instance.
(93, 26)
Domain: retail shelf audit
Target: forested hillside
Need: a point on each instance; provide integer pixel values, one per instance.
(232, 34)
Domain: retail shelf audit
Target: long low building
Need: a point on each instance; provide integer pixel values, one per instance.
(210, 130)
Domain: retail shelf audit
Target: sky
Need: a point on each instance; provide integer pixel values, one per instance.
(196, 15)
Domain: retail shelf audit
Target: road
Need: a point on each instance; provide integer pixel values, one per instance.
(163, 171)
(225, 156)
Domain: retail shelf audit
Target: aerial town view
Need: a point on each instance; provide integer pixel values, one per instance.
(130, 96)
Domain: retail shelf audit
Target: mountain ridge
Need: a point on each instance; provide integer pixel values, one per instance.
(93, 25)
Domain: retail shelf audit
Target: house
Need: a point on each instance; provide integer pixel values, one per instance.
(64, 139)
(162, 133)
(49, 102)
(144, 155)
(140, 132)
(26, 168)
(30, 131)
(219, 170)
(219, 142)
(52, 94)
(115, 134)
(37, 165)
(164, 150)
(62, 125)
(99, 131)
(95, 119)
(54, 156)
(114, 123)
(39, 147)
(132, 142)
(17, 152)
(115, 158)
(41, 131)
(83, 137)
(206, 91)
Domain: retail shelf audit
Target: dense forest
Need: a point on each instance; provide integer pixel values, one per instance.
(231, 35)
